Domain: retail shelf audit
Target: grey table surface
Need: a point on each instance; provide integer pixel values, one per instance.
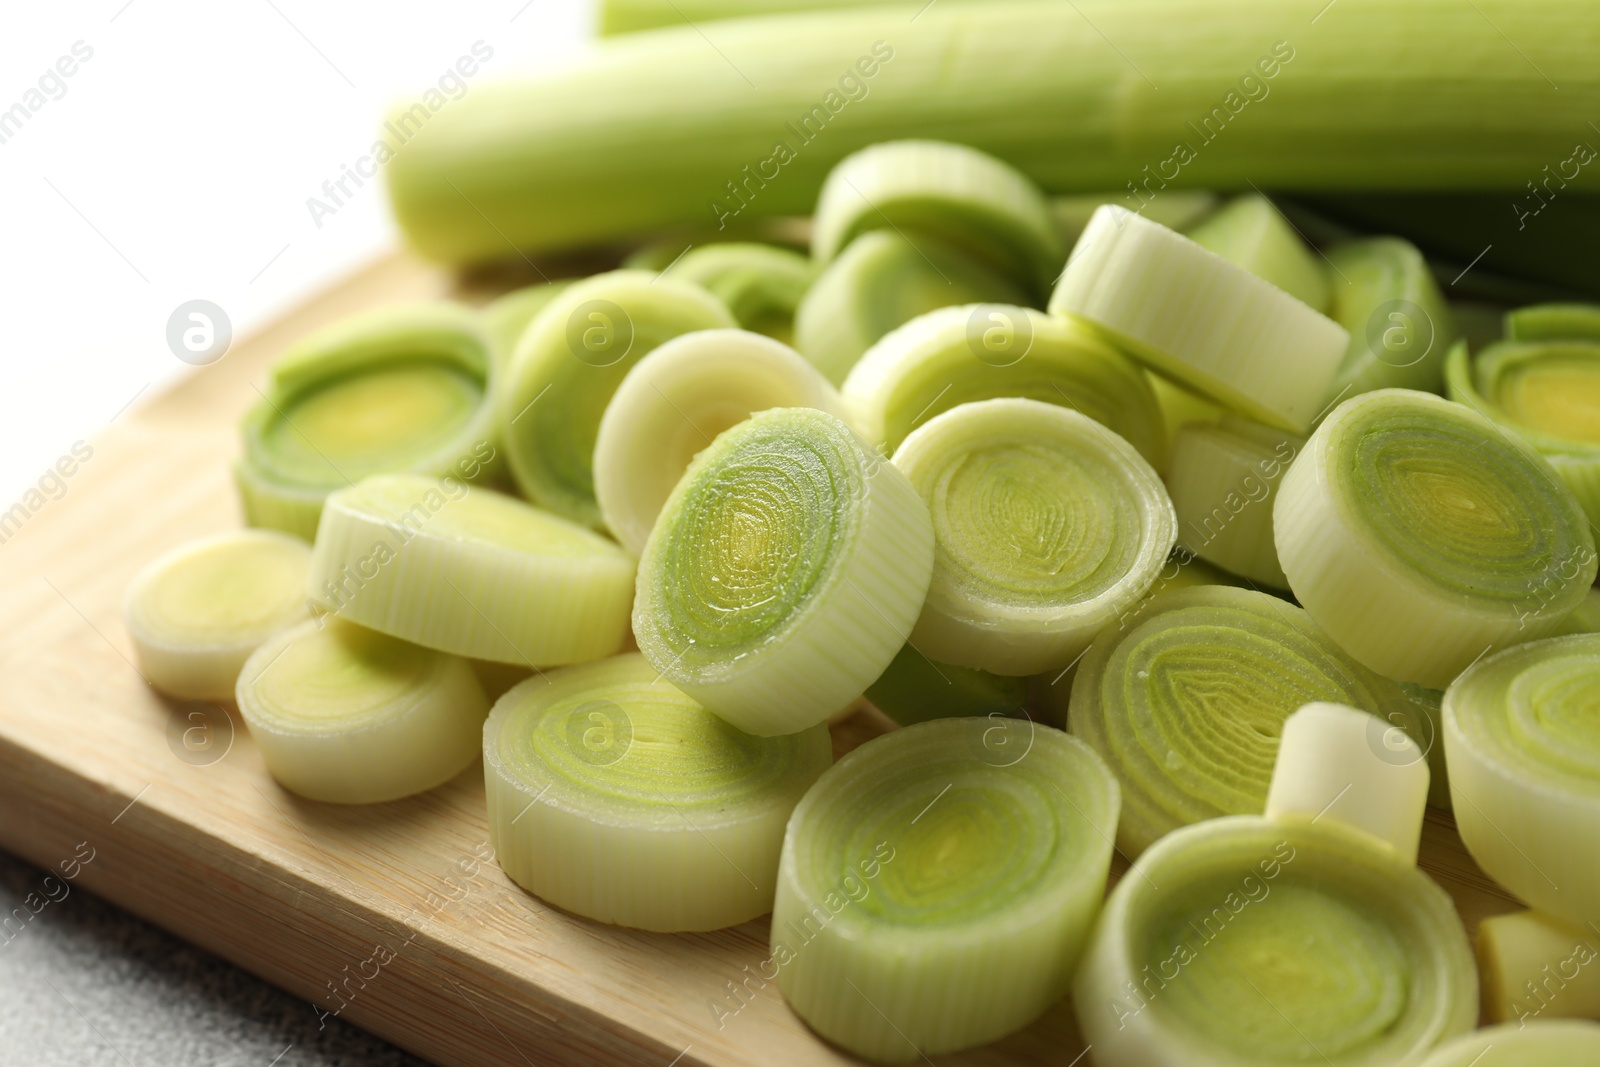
(85, 983)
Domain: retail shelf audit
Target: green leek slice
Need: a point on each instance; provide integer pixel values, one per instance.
(615, 796)
(977, 352)
(760, 284)
(470, 571)
(1539, 1044)
(345, 714)
(784, 573)
(913, 689)
(938, 883)
(1536, 967)
(571, 358)
(1523, 742)
(1554, 322)
(196, 613)
(1195, 317)
(1585, 618)
(1419, 535)
(675, 401)
(507, 316)
(1251, 232)
(1046, 526)
(1400, 324)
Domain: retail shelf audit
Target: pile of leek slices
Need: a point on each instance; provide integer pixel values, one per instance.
(1157, 533)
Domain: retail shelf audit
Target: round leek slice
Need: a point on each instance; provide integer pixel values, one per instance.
(615, 796)
(470, 571)
(1548, 393)
(1554, 322)
(1538, 1044)
(785, 572)
(675, 401)
(1251, 232)
(1223, 479)
(1201, 320)
(507, 316)
(1536, 967)
(571, 358)
(956, 355)
(959, 194)
(880, 281)
(196, 613)
(400, 389)
(913, 689)
(1419, 535)
(938, 884)
(1046, 526)
(346, 714)
(1186, 698)
(760, 284)
(1248, 940)
(1523, 742)
(1400, 324)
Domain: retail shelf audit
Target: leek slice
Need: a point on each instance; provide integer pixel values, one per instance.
(470, 571)
(966, 197)
(882, 280)
(506, 317)
(1536, 967)
(675, 401)
(400, 389)
(1523, 744)
(1176, 209)
(1186, 699)
(1223, 479)
(571, 358)
(1585, 618)
(615, 796)
(977, 352)
(938, 883)
(196, 613)
(1193, 316)
(1251, 232)
(1547, 392)
(784, 572)
(1428, 705)
(1180, 408)
(1420, 535)
(913, 689)
(1400, 324)
(1554, 322)
(1539, 1044)
(760, 284)
(345, 714)
(1046, 526)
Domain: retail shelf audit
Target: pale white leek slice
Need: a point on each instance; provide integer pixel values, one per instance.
(1538, 1044)
(615, 796)
(675, 401)
(1535, 967)
(938, 884)
(1047, 526)
(470, 571)
(1194, 316)
(1420, 535)
(1251, 232)
(784, 573)
(1176, 208)
(346, 714)
(196, 613)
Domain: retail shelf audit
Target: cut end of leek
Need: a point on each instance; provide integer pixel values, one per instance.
(1536, 967)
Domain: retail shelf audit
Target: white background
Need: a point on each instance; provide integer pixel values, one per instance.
(177, 165)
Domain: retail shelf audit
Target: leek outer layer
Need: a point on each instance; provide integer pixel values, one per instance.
(785, 572)
(981, 351)
(760, 284)
(196, 613)
(1251, 232)
(913, 689)
(470, 571)
(1524, 753)
(961, 195)
(1535, 967)
(1545, 1044)
(938, 884)
(1195, 317)
(1554, 322)
(399, 389)
(615, 796)
(1252, 941)
(1186, 695)
(1047, 526)
(675, 402)
(1419, 535)
(1400, 324)
(345, 714)
(569, 362)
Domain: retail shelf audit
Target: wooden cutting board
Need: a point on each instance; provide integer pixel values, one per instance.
(394, 916)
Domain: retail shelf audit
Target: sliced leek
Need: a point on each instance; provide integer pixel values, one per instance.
(1585, 618)
(1554, 322)
(1544, 1044)
(1047, 526)
(938, 883)
(674, 403)
(571, 358)
(976, 352)
(1523, 743)
(1419, 535)
(966, 197)
(1177, 209)
(913, 689)
(401, 389)
(884, 279)
(1428, 708)
(760, 284)
(196, 613)
(506, 317)
(1399, 323)
(346, 714)
(615, 796)
(1180, 407)
(1536, 967)
(1194, 316)
(1251, 232)
(784, 573)
(470, 571)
